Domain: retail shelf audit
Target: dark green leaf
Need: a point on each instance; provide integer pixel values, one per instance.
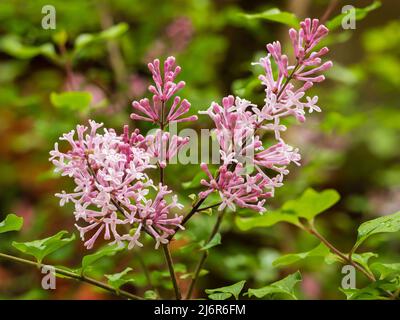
(216, 240)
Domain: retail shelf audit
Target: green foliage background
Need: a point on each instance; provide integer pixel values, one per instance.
(352, 146)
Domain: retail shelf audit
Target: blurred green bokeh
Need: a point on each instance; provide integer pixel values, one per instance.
(352, 146)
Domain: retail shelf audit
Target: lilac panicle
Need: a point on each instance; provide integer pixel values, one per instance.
(238, 122)
(163, 90)
(112, 193)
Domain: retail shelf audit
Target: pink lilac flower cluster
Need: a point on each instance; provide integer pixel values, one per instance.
(165, 88)
(238, 122)
(112, 193)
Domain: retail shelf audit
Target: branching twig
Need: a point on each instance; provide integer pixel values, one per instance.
(79, 277)
(171, 269)
(204, 255)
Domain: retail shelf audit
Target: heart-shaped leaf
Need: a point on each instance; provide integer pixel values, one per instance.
(385, 224)
(216, 240)
(285, 286)
(320, 251)
(226, 292)
(106, 251)
(117, 280)
(312, 203)
(42, 248)
(11, 223)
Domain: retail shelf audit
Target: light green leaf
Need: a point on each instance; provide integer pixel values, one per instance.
(117, 280)
(75, 271)
(220, 296)
(114, 31)
(377, 290)
(285, 286)
(150, 295)
(367, 293)
(363, 258)
(13, 46)
(319, 251)
(11, 223)
(106, 251)
(41, 248)
(71, 100)
(111, 33)
(385, 224)
(268, 219)
(312, 203)
(384, 270)
(216, 240)
(360, 13)
(190, 275)
(275, 15)
(232, 290)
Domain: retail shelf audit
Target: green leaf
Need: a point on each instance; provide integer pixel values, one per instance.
(191, 275)
(117, 280)
(195, 182)
(385, 224)
(385, 270)
(111, 33)
(312, 203)
(275, 15)
(71, 100)
(285, 286)
(150, 295)
(377, 290)
(319, 251)
(106, 251)
(360, 13)
(41, 248)
(216, 240)
(362, 294)
(363, 258)
(11, 223)
(220, 296)
(13, 46)
(114, 31)
(227, 292)
(268, 219)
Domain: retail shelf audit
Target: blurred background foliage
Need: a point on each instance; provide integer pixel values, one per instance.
(101, 49)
